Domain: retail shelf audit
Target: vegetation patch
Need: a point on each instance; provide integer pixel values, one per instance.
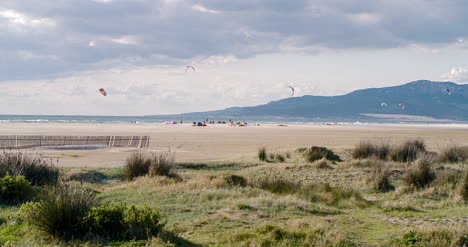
(89, 176)
(15, 189)
(271, 235)
(367, 149)
(316, 153)
(454, 154)
(37, 170)
(409, 151)
(379, 179)
(156, 164)
(433, 237)
(419, 174)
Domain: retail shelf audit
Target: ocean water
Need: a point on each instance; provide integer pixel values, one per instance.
(161, 119)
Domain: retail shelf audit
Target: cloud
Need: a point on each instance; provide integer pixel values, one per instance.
(73, 36)
(458, 75)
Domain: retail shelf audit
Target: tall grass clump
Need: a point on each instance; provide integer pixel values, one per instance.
(138, 164)
(37, 170)
(277, 185)
(409, 151)
(154, 164)
(334, 196)
(60, 210)
(235, 180)
(464, 188)
(316, 153)
(420, 173)
(434, 237)
(454, 155)
(15, 189)
(262, 154)
(163, 164)
(367, 149)
(379, 179)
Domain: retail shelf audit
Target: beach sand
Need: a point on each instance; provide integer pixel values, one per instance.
(221, 142)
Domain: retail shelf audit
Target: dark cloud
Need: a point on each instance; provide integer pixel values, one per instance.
(74, 35)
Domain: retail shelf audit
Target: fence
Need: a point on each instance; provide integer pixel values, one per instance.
(38, 141)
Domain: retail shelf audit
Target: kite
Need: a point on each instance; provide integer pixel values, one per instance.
(103, 92)
(292, 90)
(189, 67)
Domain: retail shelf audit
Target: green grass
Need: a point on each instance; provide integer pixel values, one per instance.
(291, 203)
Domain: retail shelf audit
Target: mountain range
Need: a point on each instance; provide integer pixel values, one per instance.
(422, 100)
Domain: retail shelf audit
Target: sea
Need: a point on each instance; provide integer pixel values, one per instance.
(178, 119)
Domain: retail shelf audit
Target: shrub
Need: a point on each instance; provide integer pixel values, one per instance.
(60, 210)
(37, 170)
(235, 180)
(15, 189)
(262, 154)
(143, 223)
(117, 221)
(162, 164)
(464, 188)
(315, 153)
(454, 155)
(380, 179)
(419, 174)
(277, 185)
(138, 164)
(408, 151)
(369, 150)
(106, 220)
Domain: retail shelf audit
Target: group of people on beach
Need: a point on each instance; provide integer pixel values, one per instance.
(231, 123)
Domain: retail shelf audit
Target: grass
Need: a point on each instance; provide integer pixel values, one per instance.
(379, 179)
(454, 154)
(409, 151)
(420, 174)
(464, 188)
(316, 153)
(366, 149)
(245, 202)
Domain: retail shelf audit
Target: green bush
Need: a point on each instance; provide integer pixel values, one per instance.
(106, 220)
(419, 174)
(15, 189)
(35, 169)
(433, 237)
(143, 223)
(370, 150)
(408, 151)
(60, 210)
(316, 153)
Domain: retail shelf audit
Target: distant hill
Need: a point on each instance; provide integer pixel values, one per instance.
(422, 99)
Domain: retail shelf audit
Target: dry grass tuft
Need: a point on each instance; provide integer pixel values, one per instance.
(420, 174)
(408, 151)
(322, 164)
(454, 155)
(366, 150)
(380, 179)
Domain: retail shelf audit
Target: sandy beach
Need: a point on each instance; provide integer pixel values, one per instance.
(217, 142)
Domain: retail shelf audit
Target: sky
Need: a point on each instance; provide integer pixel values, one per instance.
(54, 56)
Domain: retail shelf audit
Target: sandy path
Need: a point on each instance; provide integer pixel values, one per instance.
(224, 142)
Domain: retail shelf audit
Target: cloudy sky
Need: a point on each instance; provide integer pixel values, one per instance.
(55, 55)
